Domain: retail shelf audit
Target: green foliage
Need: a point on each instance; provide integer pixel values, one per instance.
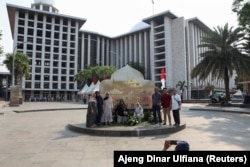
(209, 89)
(21, 65)
(182, 85)
(138, 66)
(222, 56)
(98, 72)
(132, 121)
(148, 116)
(242, 9)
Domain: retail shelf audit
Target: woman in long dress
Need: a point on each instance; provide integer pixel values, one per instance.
(107, 109)
(91, 112)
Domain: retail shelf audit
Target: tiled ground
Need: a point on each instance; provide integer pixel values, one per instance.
(41, 139)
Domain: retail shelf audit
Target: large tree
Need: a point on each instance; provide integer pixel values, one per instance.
(94, 73)
(242, 9)
(182, 85)
(21, 66)
(222, 56)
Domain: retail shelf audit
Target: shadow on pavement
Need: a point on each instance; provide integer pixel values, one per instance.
(225, 127)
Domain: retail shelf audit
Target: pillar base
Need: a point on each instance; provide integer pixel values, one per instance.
(14, 96)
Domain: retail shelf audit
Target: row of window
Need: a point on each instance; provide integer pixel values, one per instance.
(48, 34)
(47, 85)
(48, 42)
(54, 78)
(48, 49)
(55, 57)
(54, 71)
(31, 16)
(47, 57)
(55, 64)
(48, 26)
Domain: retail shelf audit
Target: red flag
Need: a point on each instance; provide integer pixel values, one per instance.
(94, 80)
(162, 74)
(162, 78)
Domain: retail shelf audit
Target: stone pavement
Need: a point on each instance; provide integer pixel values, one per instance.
(41, 139)
(221, 109)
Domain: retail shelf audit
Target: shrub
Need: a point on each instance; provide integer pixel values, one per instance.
(132, 121)
(148, 116)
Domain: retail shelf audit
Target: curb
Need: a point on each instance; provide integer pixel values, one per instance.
(53, 109)
(220, 110)
(137, 131)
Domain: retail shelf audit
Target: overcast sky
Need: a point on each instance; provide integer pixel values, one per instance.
(114, 17)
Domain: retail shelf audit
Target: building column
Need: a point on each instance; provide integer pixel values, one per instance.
(125, 50)
(89, 49)
(98, 51)
(152, 65)
(82, 53)
(103, 52)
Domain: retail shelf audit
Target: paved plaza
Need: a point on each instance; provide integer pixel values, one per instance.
(41, 138)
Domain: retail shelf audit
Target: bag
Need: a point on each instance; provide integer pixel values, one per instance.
(177, 101)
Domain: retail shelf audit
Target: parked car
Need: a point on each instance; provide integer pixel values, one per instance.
(217, 97)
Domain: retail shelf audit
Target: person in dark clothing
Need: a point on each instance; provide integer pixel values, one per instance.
(121, 111)
(156, 106)
(99, 101)
(84, 99)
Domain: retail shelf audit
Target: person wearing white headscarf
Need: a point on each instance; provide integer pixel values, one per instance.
(138, 112)
(107, 109)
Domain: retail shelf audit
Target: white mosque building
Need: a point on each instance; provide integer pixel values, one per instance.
(58, 48)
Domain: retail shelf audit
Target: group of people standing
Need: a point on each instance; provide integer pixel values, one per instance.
(169, 101)
(99, 110)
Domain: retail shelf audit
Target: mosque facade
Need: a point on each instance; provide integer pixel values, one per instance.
(58, 49)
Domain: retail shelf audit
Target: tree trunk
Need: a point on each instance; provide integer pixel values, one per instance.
(19, 83)
(226, 82)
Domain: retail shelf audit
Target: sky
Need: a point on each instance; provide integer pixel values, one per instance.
(116, 17)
